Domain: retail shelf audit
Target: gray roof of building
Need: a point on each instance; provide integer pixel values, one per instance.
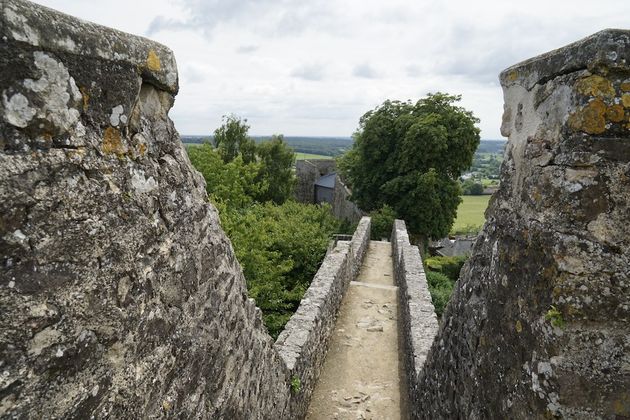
(327, 181)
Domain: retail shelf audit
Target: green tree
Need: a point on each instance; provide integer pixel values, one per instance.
(277, 160)
(234, 183)
(231, 139)
(470, 187)
(410, 157)
(279, 248)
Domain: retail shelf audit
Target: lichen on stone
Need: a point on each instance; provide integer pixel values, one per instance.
(112, 142)
(153, 61)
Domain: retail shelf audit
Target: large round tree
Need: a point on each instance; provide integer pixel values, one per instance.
(410, 156)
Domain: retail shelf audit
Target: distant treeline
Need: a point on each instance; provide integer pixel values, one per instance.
(328, 146)
(491, 146)
(335, 146)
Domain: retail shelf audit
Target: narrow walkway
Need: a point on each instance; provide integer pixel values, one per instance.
(361, 377)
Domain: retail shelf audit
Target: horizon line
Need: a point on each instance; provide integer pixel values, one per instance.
(312, 137)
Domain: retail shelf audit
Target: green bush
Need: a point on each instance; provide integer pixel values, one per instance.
(382, 223)
(279, 244)
(440, 287)
(442, 273)
(280, 248)
(449, 266)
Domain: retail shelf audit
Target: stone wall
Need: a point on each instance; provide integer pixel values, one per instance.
(121, 296)
(538, 324)
(304, 342)
(342, 207)
(307, 172)
(418, 322)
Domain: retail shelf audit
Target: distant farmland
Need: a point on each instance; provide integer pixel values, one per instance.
(470, 214)
(302, 156)
(321, 146)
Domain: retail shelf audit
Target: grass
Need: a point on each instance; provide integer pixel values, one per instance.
(302, 156)
(470, 212)
(298, 155)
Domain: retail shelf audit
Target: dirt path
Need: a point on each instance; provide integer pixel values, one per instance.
(361, 377)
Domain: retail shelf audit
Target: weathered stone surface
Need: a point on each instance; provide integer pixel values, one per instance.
(342, 207)
(418, 322)
(120, 294)
(538, 325)
(304, 342)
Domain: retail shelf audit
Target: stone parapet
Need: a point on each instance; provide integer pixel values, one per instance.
(418, 324)
(304, 342)
(538, 323)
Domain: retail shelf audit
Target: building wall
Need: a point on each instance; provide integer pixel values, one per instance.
(307, 172)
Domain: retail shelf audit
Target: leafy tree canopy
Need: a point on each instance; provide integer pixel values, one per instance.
(231, 139)
(278, 242)
(409, 156)
(277, 160)
(241, 172)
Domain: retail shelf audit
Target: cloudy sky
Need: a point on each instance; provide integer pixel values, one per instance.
(313, 67)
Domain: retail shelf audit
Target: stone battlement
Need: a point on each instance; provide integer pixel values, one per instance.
(121, 295)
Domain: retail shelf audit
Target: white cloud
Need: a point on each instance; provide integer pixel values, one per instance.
(313, 67)
(313, 72)
(366, 71)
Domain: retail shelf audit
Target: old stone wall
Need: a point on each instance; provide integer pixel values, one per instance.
(307, 172)
(538, 324)
(304, 342)
(121, 296)
(342, 207)
(418, 325)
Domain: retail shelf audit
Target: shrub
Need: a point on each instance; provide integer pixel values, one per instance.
(382, 222)
(440, 287)
(449, 266)
(280, 248)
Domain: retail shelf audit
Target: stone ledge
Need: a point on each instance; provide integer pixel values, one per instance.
(419, 324)
(604, 49)
(49, 30)
(304, 342)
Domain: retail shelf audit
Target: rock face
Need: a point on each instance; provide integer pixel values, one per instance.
(538, 326)
(120, 294)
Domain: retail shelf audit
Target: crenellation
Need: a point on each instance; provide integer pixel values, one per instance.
(536, 324)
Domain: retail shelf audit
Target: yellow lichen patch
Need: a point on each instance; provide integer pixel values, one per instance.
(591, 119)
(519, 327)
(615, 113)
(86, 98)
(112, 143)
(153, 61)
(595, 86)
(625, 99)
(625, 86)
(512, 76)
(142, 149)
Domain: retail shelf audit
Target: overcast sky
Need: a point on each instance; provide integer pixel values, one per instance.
(313, 67)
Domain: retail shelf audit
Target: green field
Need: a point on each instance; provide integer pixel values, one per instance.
(298, 156)
(302, 156)
(470, 216)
